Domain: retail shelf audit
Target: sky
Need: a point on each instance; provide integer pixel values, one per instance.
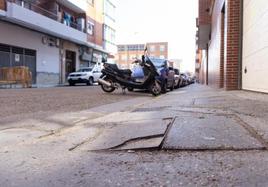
(141, 21)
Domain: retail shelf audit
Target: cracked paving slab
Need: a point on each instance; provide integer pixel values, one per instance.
(138, 134)
(209, 132)
(122, 134)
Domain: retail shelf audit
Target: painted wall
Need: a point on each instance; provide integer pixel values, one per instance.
(255, 46)
(215, 46)
(47, 58)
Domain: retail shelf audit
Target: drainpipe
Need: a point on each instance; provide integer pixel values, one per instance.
(240, 57)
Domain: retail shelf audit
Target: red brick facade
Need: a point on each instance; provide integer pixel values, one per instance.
(232, 45)
(204, 17)
(223, 47)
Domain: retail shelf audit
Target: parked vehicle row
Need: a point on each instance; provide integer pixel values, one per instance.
(152, 74)
(182, 79)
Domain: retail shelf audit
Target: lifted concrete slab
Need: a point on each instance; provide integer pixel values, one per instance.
(146, 143)
(114, 136)
(209, 132)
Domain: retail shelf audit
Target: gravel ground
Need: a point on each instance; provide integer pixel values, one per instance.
(18, 104)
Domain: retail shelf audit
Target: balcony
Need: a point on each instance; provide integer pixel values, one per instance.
(54, 23)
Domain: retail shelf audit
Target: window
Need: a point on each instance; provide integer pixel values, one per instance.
(152, 48)
(91, 2)
(90, 28)
(162, 48)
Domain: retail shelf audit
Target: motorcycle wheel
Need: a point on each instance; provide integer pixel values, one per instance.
(130, 89)
(156, 89)
(107, 89)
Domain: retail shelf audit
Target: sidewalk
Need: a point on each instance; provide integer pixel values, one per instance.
(195, 136)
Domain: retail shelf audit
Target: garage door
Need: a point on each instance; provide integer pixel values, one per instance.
(255, 46)
(11, 56)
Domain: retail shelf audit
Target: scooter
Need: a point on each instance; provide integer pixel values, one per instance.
(112, 78)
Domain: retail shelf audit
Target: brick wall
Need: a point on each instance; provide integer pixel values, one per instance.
(222, 48)
(2, 5)
(223, 63)
(203, 15)
(232, 45)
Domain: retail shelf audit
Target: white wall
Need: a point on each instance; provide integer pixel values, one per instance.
(47, 57)
(255, 45)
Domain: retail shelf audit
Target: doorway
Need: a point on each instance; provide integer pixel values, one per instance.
(69, 63)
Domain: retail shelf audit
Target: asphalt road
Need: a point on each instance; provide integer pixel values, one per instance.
(18, 104)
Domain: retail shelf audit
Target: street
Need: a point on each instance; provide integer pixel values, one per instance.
(37, 103)
(194, 136)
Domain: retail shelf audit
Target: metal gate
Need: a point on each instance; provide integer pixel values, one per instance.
(11, 56)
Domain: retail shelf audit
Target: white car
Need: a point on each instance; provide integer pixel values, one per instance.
(87, 75)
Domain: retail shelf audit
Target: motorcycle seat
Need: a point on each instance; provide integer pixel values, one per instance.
(123, 71)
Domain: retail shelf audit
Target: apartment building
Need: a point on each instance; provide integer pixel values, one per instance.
(52, 38)
(109, 26)
(130, 52)
(158, 49)
(232, 44)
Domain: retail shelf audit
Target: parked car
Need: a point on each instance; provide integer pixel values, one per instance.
(87, 75)
(178, 79)
(185, 80)
(166, 73)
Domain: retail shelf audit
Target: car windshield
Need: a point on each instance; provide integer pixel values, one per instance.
(85, 70)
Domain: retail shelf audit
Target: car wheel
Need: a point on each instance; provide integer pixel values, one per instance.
(172, 86)
(90, 81)
(164, 87)
(155, 88)
(71, 83)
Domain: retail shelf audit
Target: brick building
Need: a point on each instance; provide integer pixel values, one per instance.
(128, 53)
(52, 38)
(232, 45)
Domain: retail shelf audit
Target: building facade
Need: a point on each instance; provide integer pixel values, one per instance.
(130, 52)
(232, 44)
(219, 43)
(109, 26)
(52, 38)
